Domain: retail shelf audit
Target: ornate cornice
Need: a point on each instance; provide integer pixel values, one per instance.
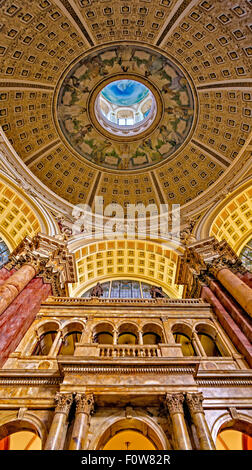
(224, 382)
(132, 370)
(32, 381)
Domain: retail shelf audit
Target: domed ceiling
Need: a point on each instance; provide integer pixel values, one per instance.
(193, 56)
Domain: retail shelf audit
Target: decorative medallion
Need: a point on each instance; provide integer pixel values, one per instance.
(125, 107)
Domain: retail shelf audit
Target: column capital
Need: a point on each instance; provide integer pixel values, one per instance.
(194, 402)
(84, 403)
(174, 402)
(63, 402)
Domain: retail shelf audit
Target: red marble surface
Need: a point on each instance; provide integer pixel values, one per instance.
(236, 312)
(18, 317)
(5, 443)
(232, 329)
(247, 278)
(5, 274)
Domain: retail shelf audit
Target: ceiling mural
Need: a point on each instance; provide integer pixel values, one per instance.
(175, 109)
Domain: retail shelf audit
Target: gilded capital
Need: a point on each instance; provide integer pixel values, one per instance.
(63, 402)
(194, 402)
(84, 403)
(174, 402)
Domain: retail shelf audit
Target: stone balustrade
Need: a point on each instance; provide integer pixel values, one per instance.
(129, 351)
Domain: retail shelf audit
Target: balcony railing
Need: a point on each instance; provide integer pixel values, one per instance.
(145, 302)
(129, 351)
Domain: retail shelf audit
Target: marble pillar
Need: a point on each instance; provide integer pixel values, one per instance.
(174, 403)
(237, 288)
(57, 433)
(230, 326)
(236, 312)
(5, 274)
(84, 407)
(10, 289)
(18, 317)
(194, 403)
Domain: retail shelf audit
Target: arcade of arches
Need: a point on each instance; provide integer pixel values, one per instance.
(126, 341)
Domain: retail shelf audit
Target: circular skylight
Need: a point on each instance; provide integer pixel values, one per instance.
(125, 107)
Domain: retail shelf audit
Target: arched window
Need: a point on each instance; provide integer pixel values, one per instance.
(186, 343)
(44, 343)
(68, 343)
(124, 289)
(231, 439)
(104, 337)
(246, 255)
(4, 252)
(209, 345)
(127, 338)
(127, 334)
(21, 440)
(151, 338)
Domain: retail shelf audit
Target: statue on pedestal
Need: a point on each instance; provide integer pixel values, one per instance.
(97, 291)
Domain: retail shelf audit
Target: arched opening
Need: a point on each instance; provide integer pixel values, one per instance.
(151, 338)
(209, 344)
(21, 440)
(103, 333)
(127, 338)
(186, 343)
(127, 334)
(231, 439)
(19, 435)
(132, 434)
(68, 343)
(44, 343)
(129, 440)
(152, 334)
(235, 434)
(104, 338)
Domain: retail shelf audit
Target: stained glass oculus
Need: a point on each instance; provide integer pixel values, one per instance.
(125, 104)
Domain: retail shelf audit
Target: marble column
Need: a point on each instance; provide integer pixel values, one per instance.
(236, 312)
(57, 433)
(18, 317)
(84, 407)
(115, 336)
(237, 288)
(174, 403)
(10, 289)
(230, 326)
(194, 402)
(140, 337)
